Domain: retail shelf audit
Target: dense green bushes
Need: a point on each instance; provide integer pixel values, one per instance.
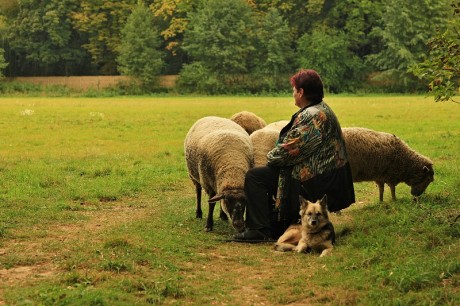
(221, 47)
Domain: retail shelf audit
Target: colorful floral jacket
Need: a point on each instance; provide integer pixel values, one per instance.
(311, 144)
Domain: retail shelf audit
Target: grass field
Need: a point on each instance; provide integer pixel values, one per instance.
(96, 208)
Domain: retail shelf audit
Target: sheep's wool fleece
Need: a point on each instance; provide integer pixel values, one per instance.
(382, 156)
(249, 121)
(218, 154)
(263, 141)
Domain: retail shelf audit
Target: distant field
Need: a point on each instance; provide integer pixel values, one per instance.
(96, 208)
(88, 82)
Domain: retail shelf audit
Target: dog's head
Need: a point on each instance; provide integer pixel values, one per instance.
(313, 214)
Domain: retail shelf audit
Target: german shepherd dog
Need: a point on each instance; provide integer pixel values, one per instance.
(315, 232)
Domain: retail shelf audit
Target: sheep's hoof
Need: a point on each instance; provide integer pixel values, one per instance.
(199, 215)
(208, 229)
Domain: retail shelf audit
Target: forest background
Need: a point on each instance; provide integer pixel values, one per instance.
(238, 46)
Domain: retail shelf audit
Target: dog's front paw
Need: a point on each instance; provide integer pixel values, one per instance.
(325, 252)
(300, 249)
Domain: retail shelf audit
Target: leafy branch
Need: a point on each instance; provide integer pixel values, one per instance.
(441, 70)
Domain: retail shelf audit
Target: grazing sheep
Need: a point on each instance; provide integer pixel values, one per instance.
(385, 158)
(250, 122)
(218, 154)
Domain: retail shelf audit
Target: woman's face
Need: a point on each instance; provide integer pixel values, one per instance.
(300, 100)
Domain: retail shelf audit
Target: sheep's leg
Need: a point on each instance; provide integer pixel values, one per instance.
(381, 188)
(393, 191)
(199, 212)
(210, 221)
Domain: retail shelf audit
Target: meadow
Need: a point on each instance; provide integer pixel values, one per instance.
(96, 208)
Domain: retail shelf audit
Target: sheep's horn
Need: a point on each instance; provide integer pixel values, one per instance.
(216, 198)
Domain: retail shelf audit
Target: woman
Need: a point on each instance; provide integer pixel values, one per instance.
(309, 159)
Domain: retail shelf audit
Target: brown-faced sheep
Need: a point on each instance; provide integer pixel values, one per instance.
(250, 122)
(218, 154)
(386, 159)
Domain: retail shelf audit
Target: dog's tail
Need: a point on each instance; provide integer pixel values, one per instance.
(283, 247)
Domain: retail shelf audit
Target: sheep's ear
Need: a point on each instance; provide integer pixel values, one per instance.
(216, 198)
(426, 169)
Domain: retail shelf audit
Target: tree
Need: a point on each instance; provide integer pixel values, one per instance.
(101, 22)
(42, 38)
(3, 63)
(174, 13)
(441, 70)
(275, 46)
(273, 59)
(300, 15)
(406, 26)
(326, 51)
(221, 36)
(356, 18)
(172, 19)
(139, 54)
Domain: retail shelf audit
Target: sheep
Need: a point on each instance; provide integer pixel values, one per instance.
(278, 125)
(264, 140)
(218, 154)
(248, 121)
(385, 158)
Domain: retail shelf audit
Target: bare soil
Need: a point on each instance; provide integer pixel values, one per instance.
(41, 264)
(220, 263)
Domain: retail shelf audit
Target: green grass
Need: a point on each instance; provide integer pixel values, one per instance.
(96, 208)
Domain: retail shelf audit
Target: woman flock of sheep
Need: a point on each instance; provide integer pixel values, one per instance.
(219, 152)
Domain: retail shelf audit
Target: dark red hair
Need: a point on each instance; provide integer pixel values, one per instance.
(310, 81)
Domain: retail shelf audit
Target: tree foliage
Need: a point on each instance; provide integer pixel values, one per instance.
(3, 63)
(101, 22)
(441, 70)
(220, 38)
(240, 45)
(275, 45)
(174, 17)
(404, 31)
(43, 34)
(221, 35)
(139, 54)
(331, 57)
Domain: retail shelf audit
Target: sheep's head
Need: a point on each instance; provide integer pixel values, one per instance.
(421, 180)
(233, 204)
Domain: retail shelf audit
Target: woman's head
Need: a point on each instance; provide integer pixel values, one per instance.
(310, 81)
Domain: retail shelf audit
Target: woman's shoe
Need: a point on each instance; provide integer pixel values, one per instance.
(253, 236)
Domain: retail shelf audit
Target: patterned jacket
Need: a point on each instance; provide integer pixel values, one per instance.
(312, 143)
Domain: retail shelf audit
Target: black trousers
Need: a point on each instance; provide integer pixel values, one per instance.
(260, 187)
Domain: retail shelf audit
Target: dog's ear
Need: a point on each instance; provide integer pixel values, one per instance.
(323, 201)
(303, 202)
(216, 198)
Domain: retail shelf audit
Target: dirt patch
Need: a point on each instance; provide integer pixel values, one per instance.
(15, 275)
(40, 263)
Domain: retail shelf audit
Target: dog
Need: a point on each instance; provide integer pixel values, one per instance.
(315, 232)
